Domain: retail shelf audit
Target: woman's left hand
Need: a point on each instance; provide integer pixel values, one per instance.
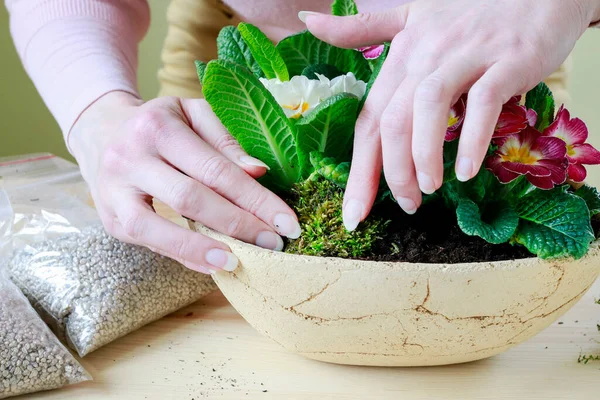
(440, 49)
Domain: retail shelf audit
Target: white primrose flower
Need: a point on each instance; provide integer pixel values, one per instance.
(299, 95)
(345, 84)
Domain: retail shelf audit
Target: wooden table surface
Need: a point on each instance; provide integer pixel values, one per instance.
(208, 351)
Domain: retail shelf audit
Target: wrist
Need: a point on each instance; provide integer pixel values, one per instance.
(84, 136)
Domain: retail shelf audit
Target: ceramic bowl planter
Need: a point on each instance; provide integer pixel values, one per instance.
(400, 314)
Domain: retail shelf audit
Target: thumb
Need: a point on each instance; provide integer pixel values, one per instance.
(356, 30)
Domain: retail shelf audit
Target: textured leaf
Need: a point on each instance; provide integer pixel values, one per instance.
(329, 129)
(200, 69)
(497, 225)
(330, 169)
(338, 173)
(326, 70)
(591, 196)
(254, 118)
(376, 69)
(264, 52)
(232, 47)
(303, 49)
(541, 100)
(554, 224)
(342, 8)
(453, 191)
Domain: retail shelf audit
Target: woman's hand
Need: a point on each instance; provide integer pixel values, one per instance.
(441, 49)
(177, 151)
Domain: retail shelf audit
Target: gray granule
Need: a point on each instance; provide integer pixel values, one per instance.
(94, 289)
(31, 357)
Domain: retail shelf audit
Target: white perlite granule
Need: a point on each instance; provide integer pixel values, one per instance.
(31, 357)
(94, 289)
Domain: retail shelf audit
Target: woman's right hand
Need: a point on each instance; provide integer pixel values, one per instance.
(177, 151)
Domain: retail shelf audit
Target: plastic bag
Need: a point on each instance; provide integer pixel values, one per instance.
(89, 287)
(31, 358)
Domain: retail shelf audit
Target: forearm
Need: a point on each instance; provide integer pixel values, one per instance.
(75, 51)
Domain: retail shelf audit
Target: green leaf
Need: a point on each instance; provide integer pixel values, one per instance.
(497, 224)
(264, 52)
(453, 191)
(254, 118)
(327, 70)
(303, 49)
(330, 169)
(232, 47)
(329, 129)
(376, 69)
(541, 100)
(338, 173)
(554, 224)
(200, 69)
(591, 196)
(342, 8)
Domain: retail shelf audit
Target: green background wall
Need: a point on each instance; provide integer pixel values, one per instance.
(26, 125)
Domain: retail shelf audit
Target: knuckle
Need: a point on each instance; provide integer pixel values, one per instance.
(367, 125)
(148, 124)
(487, 94)
(365, 20)
(113, 158)
(177, 249)
(256, 201)
(432, 90)
(424, 156)
(182, 196)
(235, 226)
(214, 169)
(400, 184)
(393, 122)
(226, 143)
(134, 225)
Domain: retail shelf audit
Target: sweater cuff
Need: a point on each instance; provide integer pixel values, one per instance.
(76, 51)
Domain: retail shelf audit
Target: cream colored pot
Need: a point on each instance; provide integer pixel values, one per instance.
(400, 314)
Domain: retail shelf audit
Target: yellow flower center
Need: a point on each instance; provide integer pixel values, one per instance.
(521, 155)
(453, 120)
(300, 108)
(571, 150)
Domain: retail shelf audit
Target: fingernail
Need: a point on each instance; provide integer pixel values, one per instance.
(222, 259)
(254, 162)
(408, 205)
(352, 214)
(464, 169)
(303, 14)
(269, 240)
(426, 183)
(287, 226)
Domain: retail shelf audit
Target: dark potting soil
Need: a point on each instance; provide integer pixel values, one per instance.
(433, 236)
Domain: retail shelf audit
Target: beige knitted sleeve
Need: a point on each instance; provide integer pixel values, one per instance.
(193, 27)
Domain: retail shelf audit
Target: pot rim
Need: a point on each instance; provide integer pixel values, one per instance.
(593, 251)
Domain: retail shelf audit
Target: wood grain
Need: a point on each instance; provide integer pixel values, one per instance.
(208, 351)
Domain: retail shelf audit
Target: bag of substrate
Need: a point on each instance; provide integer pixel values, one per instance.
(32, 359)
(89, 287)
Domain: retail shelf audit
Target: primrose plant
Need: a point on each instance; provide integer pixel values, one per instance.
(294, 106)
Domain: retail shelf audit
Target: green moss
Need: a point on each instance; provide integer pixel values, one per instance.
(318, 204)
